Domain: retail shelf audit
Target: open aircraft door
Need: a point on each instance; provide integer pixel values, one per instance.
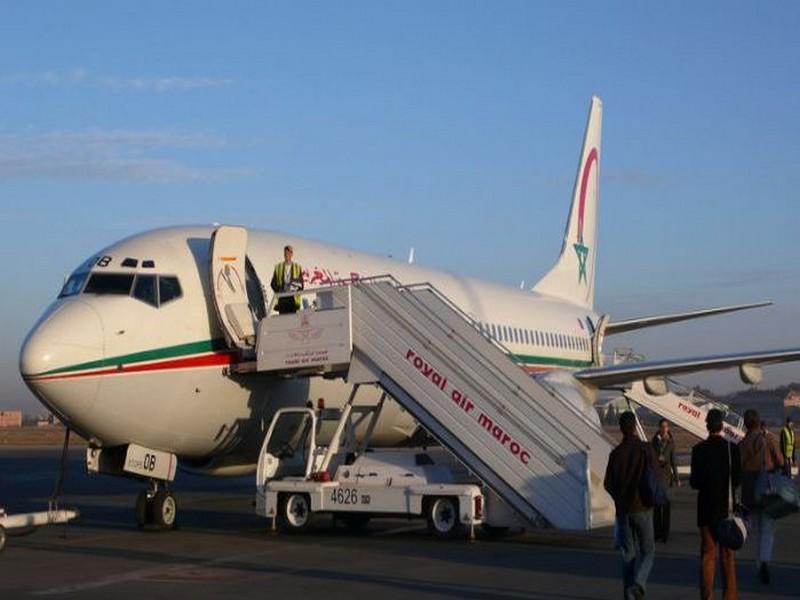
(227, 272)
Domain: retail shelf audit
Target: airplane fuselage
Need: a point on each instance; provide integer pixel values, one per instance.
(121, 369)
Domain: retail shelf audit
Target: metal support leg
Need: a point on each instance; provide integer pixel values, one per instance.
(639, 429)
(336, 441)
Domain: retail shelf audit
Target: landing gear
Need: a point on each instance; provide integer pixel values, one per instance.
(156, 507)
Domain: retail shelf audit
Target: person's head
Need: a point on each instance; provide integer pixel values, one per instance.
(288, 253)
(789, 422)
(627, 424)
(751, 419)
(714, 421)
(663, 427)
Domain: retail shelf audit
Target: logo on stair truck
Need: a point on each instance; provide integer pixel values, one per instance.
(581, 250)
(465, 404)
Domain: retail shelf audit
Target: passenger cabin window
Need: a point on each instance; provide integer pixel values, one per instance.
(109, 283)
(145, 289)
(168, 289)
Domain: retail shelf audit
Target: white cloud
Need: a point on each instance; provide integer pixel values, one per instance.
(164, 84)
(109, 155)
(49, 78)
(82, 77)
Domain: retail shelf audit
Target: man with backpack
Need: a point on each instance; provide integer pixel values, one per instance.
(628, 466)
(760, 454)
(716, 473)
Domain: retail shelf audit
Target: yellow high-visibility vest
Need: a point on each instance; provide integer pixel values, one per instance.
(297, 273)
(788, 441)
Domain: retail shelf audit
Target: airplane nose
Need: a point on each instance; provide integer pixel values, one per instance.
(58, 356)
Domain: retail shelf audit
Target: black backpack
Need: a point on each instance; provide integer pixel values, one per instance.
(651, 485)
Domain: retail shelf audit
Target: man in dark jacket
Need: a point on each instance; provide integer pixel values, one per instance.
(715, 466)
(623, 481)
(664, 449)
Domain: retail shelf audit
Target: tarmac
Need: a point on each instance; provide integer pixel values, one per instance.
(222, 548)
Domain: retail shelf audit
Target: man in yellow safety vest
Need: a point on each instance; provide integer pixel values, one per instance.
(287, 277)
(787, 446)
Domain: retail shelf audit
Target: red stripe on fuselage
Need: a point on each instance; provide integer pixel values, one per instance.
(206, 360)
(536, 368)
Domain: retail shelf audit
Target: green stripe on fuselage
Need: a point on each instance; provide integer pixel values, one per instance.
(527, 359)
(145, 355)
(219, 344)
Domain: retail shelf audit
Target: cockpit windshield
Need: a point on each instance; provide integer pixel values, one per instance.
(109, 283)
(154, 289)
(74, 284)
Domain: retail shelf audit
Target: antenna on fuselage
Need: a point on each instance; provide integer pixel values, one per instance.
(411, 256)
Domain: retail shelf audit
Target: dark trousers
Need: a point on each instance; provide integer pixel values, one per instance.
(286, 305)
(661, 521)
(635, 537)
(708, 567)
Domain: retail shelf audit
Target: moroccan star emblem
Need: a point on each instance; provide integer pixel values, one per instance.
(583, 253)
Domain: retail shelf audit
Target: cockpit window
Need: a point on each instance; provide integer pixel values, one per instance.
(145, 289)
(169, 288)
(109, 283)
(74, 284)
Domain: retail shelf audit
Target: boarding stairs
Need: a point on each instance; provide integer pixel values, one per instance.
(687, 410)
(679, 404)
(532, 447)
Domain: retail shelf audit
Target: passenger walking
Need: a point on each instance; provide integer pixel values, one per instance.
(715, 469)
(634, 525)
(788, 447)
(760, 453)
(664, 449)
(287, 277)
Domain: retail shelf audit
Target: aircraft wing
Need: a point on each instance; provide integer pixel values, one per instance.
(642, 322)
(626, 373)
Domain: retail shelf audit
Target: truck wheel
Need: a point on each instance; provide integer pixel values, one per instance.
(443, 518)
(294, 512)
(165, 509)
(2, 538)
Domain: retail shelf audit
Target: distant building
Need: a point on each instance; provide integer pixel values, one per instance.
(10, 418)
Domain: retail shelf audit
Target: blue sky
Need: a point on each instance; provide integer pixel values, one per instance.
(450, 126)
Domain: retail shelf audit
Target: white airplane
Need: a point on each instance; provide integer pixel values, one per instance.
(132, 352)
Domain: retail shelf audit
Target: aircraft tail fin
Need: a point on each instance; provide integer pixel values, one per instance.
(572, 277)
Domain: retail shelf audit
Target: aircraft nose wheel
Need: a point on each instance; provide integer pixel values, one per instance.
(157, 508)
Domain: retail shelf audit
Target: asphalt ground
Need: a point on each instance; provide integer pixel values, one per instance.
(222, 549)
